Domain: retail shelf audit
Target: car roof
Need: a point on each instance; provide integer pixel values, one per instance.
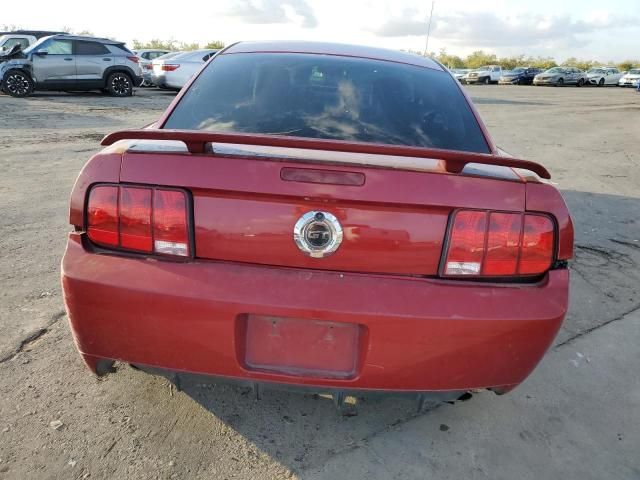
(106, 41)
(339, 49)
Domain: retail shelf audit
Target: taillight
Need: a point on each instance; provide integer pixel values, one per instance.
(170, 233)
(169, 67)
(495, 244)
(139, 219)
(133, 58)
(147, 66)
(102, 215)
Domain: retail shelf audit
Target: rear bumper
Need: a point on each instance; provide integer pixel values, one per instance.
(422, 335)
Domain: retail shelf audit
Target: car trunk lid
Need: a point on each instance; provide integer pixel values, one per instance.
(393, 210)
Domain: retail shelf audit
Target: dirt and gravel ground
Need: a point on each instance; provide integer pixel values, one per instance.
(576, 417)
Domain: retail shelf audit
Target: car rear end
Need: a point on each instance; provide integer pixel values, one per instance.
(125, 60)
(327, 257)
(186, 67)
(161, 66)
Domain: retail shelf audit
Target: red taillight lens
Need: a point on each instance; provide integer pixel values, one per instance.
(139, 219)
(133, 58)
(102, 215)
(147, 66)
(503, 244)
(499, 244)
(135, 219)
(466, 247)
(537, 245)
(169, 67)
(170, 233)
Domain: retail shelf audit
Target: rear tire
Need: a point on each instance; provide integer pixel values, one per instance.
(17, 84)
(601, 82)
(119, 84)
(580, 82)
(561, 82)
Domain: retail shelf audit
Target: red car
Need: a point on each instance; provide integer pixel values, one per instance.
(323, 216)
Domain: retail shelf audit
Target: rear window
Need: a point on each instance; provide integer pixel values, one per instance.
(330, 97)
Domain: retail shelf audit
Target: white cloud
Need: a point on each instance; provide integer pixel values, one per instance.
(272, 11)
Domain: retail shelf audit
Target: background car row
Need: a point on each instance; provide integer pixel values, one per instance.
(556, 76)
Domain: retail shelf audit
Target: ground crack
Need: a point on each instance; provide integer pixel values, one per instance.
(593, 329)
(25, 342)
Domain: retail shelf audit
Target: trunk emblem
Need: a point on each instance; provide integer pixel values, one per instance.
(317, 234)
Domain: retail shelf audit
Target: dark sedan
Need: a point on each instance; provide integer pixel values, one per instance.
(519, 76)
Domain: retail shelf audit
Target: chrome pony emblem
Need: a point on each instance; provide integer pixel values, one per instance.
(318, 234)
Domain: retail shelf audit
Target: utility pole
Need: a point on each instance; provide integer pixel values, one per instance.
(426, 47)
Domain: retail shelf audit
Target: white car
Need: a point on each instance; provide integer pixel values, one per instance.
(175, 72)
(602, 76)
(458, 73)
(631, 79)
(484, 75)
(9, 40)
(146, 56)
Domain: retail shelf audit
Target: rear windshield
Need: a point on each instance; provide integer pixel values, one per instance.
(330, 97)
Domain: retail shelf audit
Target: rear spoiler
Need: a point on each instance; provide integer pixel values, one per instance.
(197, 140)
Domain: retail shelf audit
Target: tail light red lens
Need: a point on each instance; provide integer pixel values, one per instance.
(169, 67)
(102, 215)
(133, 58)
(170, 233)
(135, 219)
(149, 220)
(495, 244)
(537, 244)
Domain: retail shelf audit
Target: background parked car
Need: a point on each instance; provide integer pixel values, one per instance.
(519, 76)
(24, 38)
(146, 56)
(458, 73)
(67, 62)
(602, 76)
(175, 72)
(484, 75)
(158, 72)
(631, 79)
(559, 76)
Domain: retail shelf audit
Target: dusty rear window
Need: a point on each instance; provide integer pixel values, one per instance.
(330, 97)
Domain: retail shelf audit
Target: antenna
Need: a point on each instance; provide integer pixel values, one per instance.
(426, 47)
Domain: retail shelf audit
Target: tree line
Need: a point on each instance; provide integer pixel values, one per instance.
(479, 58)
(175, 45)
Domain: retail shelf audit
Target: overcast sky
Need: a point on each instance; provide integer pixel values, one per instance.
(598, 29)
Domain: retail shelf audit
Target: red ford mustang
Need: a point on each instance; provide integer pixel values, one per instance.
(323, 216)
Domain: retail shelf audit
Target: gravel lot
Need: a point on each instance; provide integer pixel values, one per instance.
(576, 417)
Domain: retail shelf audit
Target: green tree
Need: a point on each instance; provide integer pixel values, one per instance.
(156, 43)
(216, 44)
(480, 58)
(628, 65)
(450, 61)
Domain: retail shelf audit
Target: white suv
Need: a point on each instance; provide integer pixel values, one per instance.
(484, 75)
